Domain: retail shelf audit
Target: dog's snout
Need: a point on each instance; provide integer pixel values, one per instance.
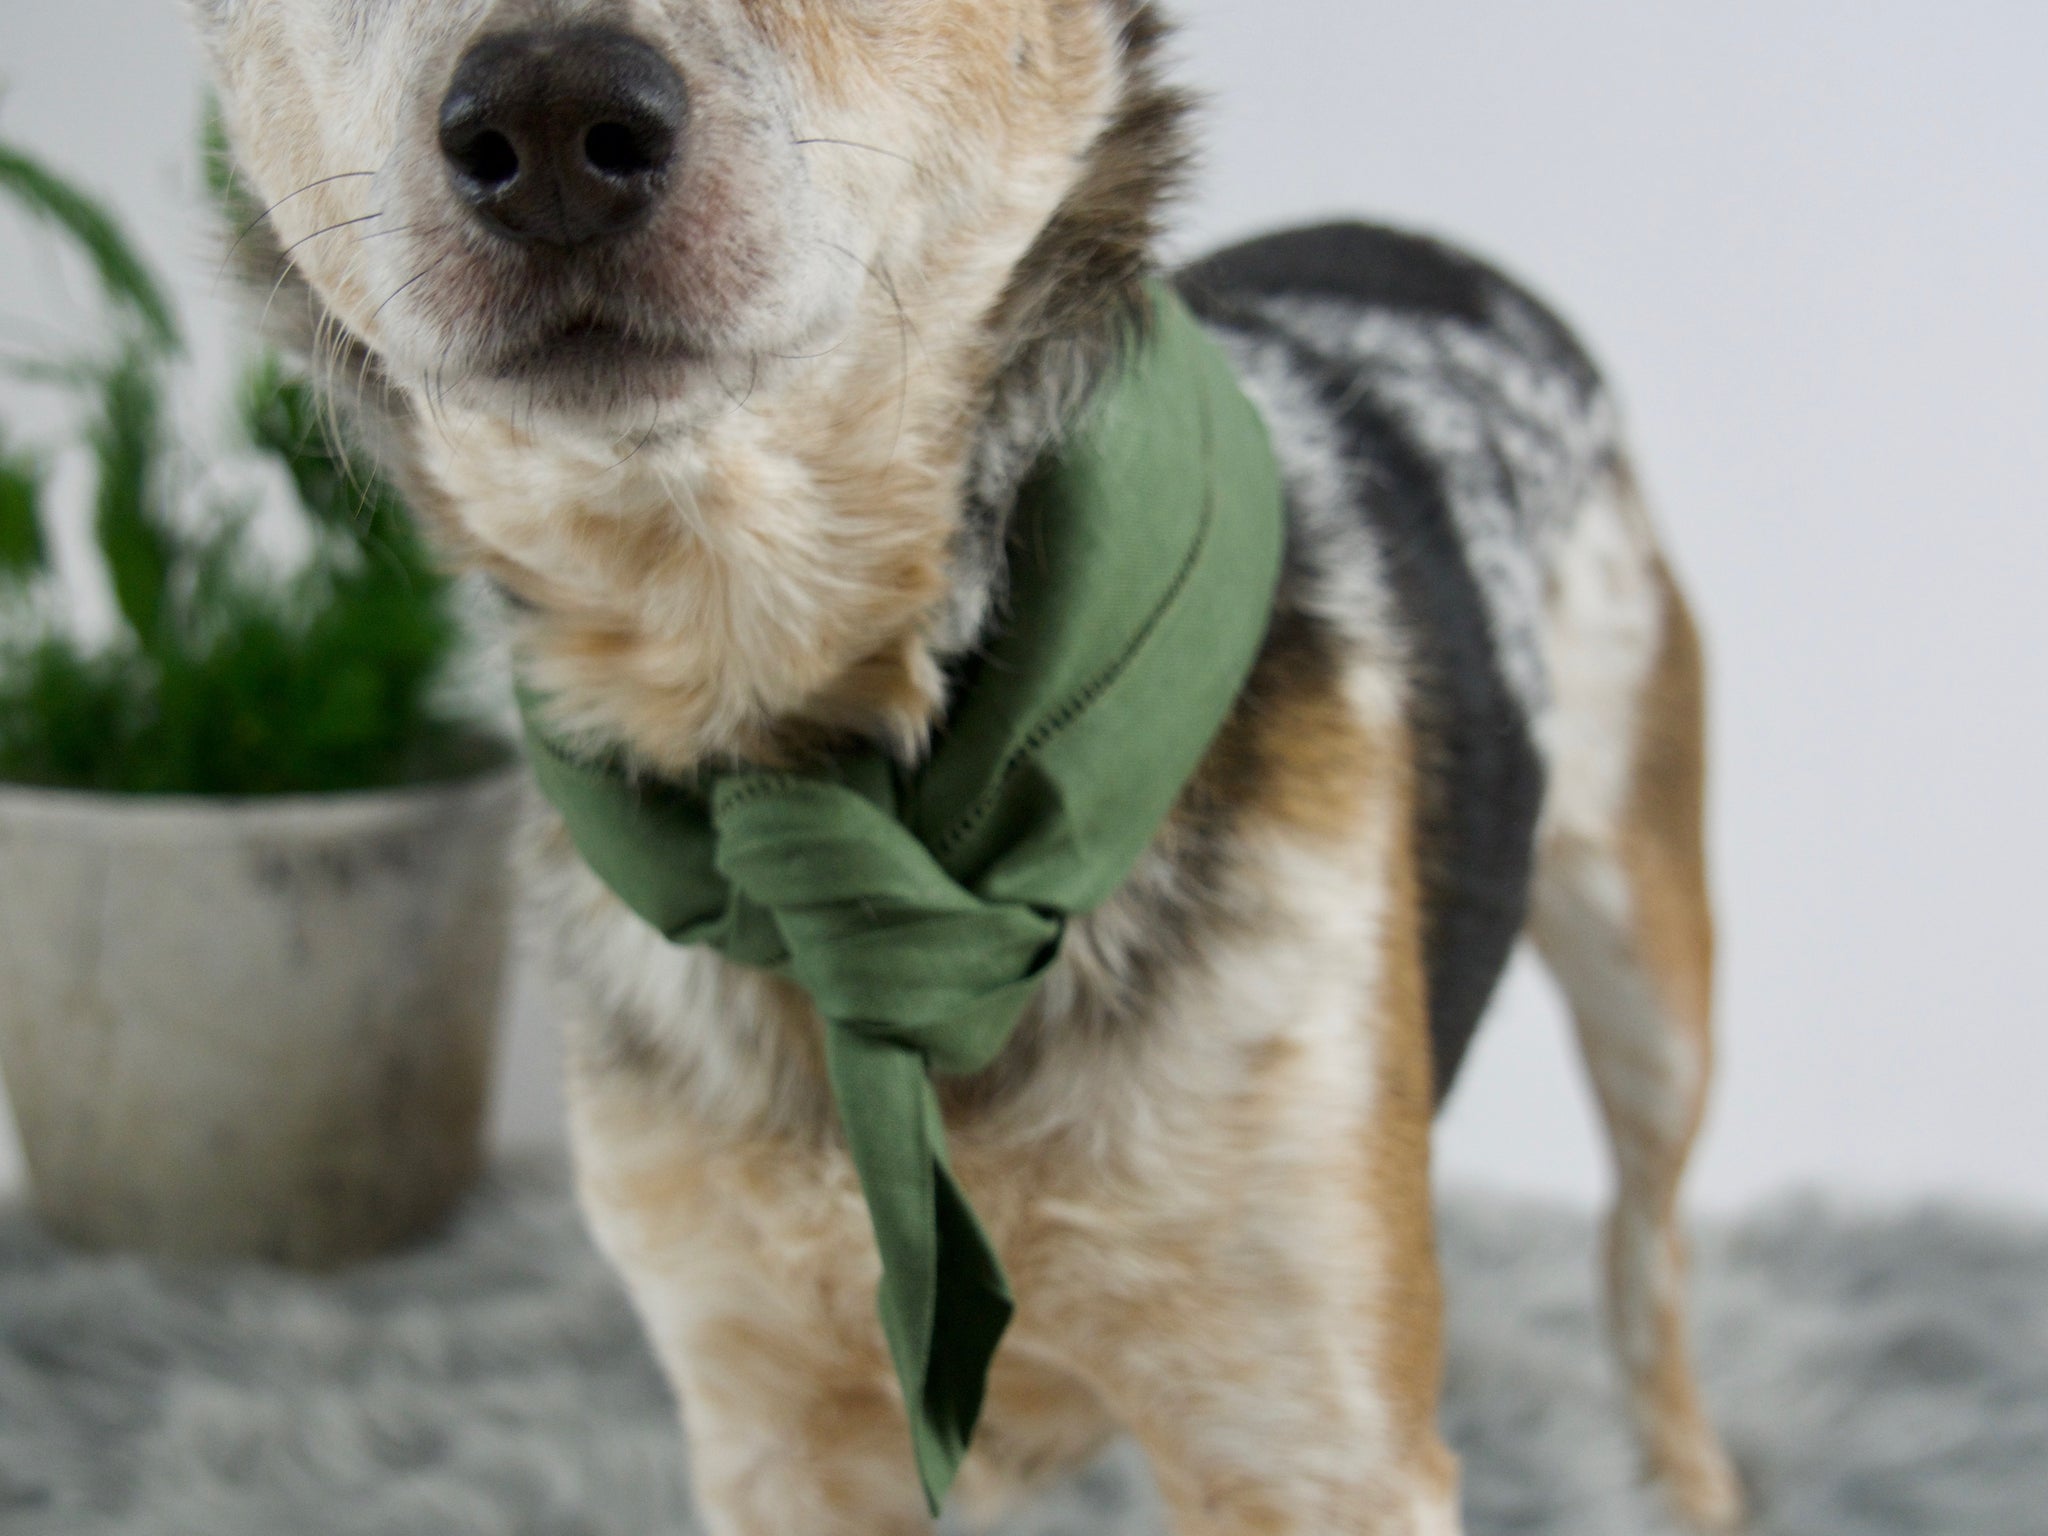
(562, 136)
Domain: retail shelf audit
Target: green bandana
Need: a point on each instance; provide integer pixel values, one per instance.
(920, 909)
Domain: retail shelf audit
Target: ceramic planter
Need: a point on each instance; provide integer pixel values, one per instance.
(252, 1029)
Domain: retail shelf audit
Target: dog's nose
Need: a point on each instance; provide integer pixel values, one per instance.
(562, 136)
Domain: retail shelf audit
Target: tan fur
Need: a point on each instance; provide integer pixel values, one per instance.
(709, 631)
(1664, 831)
(1410, 1313)
(1622, 916)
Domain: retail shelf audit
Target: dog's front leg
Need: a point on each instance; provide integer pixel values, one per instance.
(777, 1452)
(1267, 1411)
(750, 1262)
(1267, 1323)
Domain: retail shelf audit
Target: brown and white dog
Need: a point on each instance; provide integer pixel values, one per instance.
(718, 335)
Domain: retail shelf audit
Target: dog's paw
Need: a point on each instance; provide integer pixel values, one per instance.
(1704, 1487)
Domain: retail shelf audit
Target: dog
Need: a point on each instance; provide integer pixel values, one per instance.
(718, 337)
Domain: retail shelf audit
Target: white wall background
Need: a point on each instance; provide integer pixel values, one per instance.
(1810, 239)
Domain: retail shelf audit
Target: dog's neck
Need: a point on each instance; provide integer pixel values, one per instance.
(794, 569)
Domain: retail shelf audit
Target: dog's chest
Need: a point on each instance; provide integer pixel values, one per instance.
(1113, 1143)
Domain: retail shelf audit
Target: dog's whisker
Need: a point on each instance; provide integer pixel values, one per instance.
(400, 229)
(333, 342)
(906, 332)
(882, 280)
(394, 295)
(740, 402)
(653, 425)
(873, 149)
(431, 399)
(808, 357)
(363, 374)
(284, 276)
(285, 254)
(258, 221)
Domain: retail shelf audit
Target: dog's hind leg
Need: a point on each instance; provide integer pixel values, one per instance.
(1621, 917)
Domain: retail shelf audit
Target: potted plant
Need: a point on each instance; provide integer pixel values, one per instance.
(252, 861)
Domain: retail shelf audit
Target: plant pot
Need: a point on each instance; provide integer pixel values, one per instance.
(258, 1028)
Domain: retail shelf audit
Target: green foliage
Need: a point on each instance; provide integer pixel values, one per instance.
(216, 157)
(226, 679)
(123, 274)
(21, 523)
(128, 448)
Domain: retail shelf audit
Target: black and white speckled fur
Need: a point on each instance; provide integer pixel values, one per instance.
(1442, 433)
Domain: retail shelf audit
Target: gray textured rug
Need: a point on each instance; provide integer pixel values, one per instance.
(1878, 1377)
